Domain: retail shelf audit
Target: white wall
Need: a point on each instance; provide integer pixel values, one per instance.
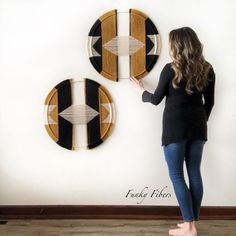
(42, 43)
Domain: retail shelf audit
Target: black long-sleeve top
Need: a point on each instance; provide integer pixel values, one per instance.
(185, 116)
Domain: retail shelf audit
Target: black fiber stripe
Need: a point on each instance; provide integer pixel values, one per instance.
(96, 29)
(150, 61)
(150, 29)
(93, 126)
(64, 126)
(97, 63)
(64, 95)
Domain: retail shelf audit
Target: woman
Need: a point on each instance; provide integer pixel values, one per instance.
(185, 82)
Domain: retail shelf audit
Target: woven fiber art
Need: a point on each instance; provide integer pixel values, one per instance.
(79, 114)
(121, 44)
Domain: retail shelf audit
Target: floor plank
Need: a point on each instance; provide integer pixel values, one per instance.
(84, 227)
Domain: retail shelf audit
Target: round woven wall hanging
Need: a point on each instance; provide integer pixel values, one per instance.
(121, 44)
(79, 114)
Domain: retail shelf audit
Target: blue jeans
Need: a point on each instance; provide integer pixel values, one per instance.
(189, 199)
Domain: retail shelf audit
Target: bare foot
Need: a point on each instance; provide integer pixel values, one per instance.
(186, 229)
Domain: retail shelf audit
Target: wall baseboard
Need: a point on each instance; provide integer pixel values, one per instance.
(110, 212)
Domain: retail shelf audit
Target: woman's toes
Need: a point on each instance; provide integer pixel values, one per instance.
(173, 232)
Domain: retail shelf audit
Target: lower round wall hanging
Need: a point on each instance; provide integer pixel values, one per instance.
(121, 44)
(79, 114)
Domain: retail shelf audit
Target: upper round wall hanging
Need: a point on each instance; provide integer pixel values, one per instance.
(123, 44)
(79, 114)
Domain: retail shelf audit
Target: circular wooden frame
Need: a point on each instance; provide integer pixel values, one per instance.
(104, 42)
(79, 114)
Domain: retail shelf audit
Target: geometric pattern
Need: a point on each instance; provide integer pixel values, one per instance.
(123, 45)
(106, 45)
(79, 114)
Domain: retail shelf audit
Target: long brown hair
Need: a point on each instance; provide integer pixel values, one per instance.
(188, 60)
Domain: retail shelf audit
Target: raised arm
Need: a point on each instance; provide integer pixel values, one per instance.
(162, 87)
(209, 93)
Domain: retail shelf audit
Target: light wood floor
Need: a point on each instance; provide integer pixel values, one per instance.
(102, 227)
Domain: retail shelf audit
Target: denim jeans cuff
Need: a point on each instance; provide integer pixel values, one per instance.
(189, 220)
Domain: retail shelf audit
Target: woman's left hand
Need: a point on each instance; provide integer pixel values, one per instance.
(137, 84)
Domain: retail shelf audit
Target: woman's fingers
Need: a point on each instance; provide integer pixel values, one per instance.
(133, 83)
(133, 79)
(136, 83)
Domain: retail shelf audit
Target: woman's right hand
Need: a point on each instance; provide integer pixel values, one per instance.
(137, 84)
